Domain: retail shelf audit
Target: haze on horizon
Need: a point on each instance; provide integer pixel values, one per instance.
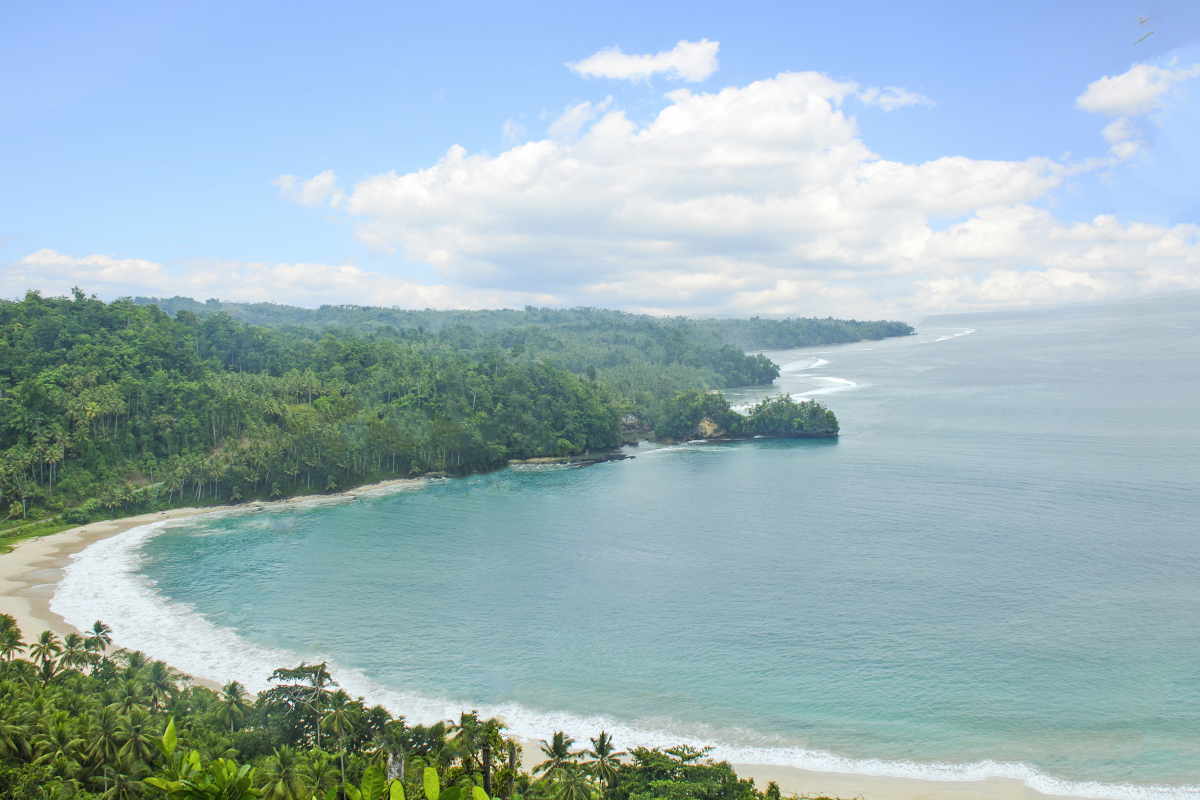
(770, 159)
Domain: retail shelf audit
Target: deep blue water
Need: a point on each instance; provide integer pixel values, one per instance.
(998, 560)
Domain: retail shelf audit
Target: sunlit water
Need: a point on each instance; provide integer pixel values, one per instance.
(995, 570)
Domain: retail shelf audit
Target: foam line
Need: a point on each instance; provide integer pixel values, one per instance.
(105, 581)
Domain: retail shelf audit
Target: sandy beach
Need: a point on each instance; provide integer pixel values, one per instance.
(30, 572)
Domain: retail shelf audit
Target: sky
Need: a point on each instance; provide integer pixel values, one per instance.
(853, 159)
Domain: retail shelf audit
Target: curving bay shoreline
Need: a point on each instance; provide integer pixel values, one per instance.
(29, 575)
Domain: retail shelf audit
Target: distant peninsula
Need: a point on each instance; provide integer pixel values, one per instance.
(110, 409)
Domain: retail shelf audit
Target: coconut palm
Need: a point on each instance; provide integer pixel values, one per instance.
(123, 779)
(572, 782)
(58, 739)
(160, 683)
(213, 745)
(74, 654)
(233, 704)
(98, 638)
(16, 726)
(103, 746)
(10, 643)
(131, 694)
(601, 761)
(284, 776)
(342, 721)
(46, 648)
(320, 774)
(558, 753)
(136, 734)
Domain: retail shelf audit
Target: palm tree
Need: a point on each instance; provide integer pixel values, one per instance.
(573, 783)
(160, 682)
(233, 704)
(136, 734)
(16, 723)
(57, 740)
(320, 774)
(390, 743)
(100, 637)
(558, 753)
(74, 655)
(601, 761)
(104, 746)
(283, 776)
(341, 721)
(10, 643)
(46, 648)
(131, 694)
(126, 775)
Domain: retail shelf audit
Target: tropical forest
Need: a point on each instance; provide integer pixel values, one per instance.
(110, 409)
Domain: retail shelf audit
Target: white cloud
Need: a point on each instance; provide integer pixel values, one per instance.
(759, 199)
(305, 284)
(313, 191)
(573, 118)
(893, 97)
(512, 132)
(1139, 90)
(689, 61)
(1126, 140)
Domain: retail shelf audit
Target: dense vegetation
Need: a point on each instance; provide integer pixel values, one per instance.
(111, 408)
(683, 416)
(78, 722)
(746, 334)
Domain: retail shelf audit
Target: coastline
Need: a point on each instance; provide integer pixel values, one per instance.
(30, 572)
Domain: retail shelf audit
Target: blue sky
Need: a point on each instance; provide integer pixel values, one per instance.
(146, 149)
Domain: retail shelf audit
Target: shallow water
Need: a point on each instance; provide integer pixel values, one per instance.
(995, 570)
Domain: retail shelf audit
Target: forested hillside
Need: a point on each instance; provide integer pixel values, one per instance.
(747, 334)
(111, 408)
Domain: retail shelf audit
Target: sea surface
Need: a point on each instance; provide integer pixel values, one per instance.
(994, 571)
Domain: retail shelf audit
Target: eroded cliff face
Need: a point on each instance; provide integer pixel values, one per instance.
(708, 429)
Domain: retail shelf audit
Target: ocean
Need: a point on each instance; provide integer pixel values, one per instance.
(994, 571)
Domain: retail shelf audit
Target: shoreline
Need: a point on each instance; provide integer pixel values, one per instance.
(30, 572)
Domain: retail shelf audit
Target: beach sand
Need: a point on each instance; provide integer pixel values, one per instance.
(29, 573)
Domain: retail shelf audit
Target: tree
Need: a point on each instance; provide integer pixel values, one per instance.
(160, 683)
(46, 649)
(284, 776)
(99, 638)
(558, 753)
(341, 720)
(602, 762)
(572, 782)
(74, 655)
(233, 704)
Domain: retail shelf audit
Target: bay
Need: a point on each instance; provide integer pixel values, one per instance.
(996, 562)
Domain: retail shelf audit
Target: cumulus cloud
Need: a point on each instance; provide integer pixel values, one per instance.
(893, 97)
(306, 284)
(689, 61)
(1139, 90)
(759, 199)
(314, 191)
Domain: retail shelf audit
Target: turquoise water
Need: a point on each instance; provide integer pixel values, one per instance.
(995, 568)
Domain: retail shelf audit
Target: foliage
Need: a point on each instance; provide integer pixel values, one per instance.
(119, 726)
(120, 408)
(682, 416)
